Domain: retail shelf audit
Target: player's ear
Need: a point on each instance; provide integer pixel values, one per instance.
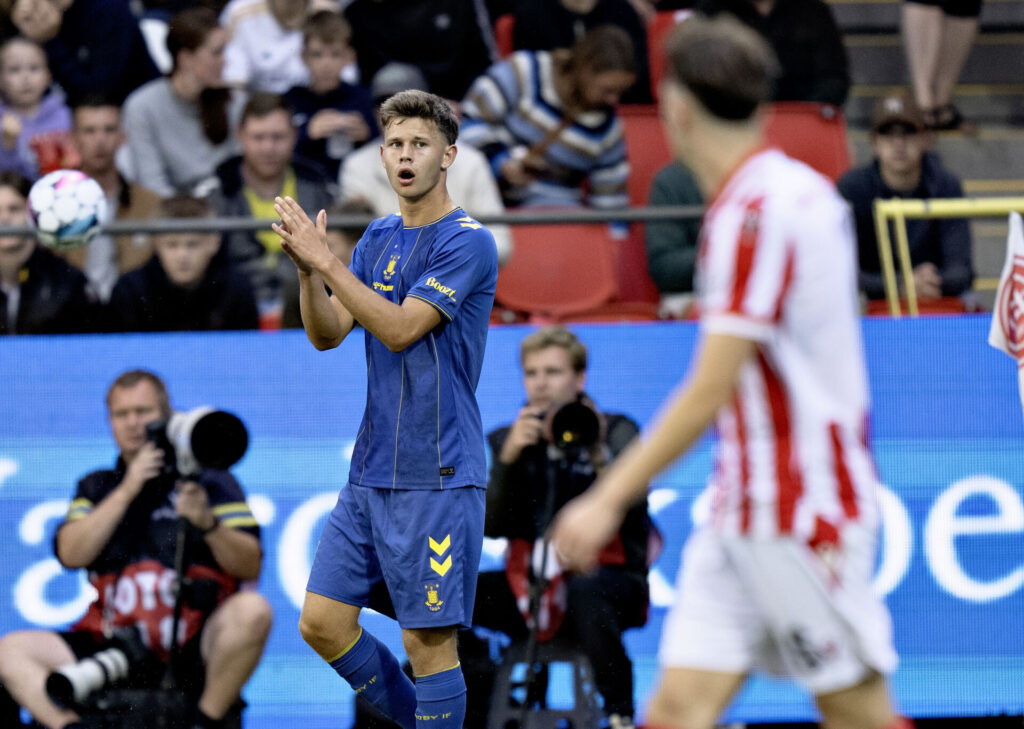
(449, 156)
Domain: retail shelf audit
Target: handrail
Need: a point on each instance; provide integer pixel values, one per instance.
(530, 217)
(899, 210)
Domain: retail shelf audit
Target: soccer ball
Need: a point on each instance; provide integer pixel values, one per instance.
(66, 207)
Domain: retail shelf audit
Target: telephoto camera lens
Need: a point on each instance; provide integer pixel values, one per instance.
(71, 685)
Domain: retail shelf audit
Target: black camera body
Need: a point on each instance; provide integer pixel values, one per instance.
(573, 426)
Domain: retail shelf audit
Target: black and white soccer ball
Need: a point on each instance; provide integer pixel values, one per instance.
(66, 207)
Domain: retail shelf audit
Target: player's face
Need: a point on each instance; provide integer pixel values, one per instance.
(267, 143)
(185, 256)
(325, 62)
(602, 90)
(550, 379)
(24, 75)
(899, 149)
(96, 132)
(414, 154)
(14, 211)
(130, 410)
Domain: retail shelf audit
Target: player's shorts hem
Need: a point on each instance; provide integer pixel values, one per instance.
(345, 600)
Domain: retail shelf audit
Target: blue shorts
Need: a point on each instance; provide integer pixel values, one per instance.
(425, 545)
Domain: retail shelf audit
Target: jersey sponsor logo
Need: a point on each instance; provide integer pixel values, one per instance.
(440, 548)
(390, 270)
(433, 603)
(468, 222)
(446, 290)
(378, 286)
(812, 656)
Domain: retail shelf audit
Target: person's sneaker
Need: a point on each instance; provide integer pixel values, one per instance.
(619, 721)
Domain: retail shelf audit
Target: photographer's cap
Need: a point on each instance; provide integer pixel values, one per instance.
(395, 77)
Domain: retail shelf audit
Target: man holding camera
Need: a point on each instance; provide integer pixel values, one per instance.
(532, 476)
(122, 526)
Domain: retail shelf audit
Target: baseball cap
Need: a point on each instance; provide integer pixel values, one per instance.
(395, 77)
(897, 108)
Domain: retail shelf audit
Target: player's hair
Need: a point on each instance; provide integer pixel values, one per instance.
(188, 31)
(133, 377)
(261, 104)
(185, 206)
(420, 105)
(328, 27)
(600, 49)
(555, 335)
(729, 68)
(93, 100)
(18, 183)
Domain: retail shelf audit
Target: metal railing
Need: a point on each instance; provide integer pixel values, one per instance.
(898, 211)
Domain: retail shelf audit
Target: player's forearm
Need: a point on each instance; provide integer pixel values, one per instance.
(236, 552)
(326, 325)
(80, 542)
(385, 320)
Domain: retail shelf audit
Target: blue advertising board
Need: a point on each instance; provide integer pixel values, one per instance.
(947, 432)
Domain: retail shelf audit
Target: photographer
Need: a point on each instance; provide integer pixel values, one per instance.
(122, 526)
(600, 605)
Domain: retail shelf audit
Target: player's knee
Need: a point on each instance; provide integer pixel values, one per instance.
(323, 636)
(12, 653)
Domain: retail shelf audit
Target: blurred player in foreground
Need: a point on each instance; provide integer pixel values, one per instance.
(780, 576)
(412, 515)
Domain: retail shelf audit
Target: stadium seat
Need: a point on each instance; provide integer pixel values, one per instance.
(646, 148)
(657, 30)
(811, 132)
(557, 270)
(503, 27)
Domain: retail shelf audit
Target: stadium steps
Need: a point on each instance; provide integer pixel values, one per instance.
(990, 92)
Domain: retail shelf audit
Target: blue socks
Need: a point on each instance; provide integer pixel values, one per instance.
(373, 671)
(441, 700)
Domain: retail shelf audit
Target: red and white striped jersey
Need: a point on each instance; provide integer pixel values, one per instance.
(778, 266)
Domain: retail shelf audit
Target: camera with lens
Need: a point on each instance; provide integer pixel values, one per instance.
(71, 686)
(197, 439)
(575, 425)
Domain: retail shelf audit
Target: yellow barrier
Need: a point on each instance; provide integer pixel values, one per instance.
(900, 210)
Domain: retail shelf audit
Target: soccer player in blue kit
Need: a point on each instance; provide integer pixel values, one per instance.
(422, 285)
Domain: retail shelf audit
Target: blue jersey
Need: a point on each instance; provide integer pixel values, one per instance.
(421, 428)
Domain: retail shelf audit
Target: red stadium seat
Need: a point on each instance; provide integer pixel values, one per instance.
(557, 269)
(657, 30)
(646, 149)
(503, 27)
(811, 132)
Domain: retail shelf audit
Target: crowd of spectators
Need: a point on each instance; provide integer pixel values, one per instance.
(278, 97)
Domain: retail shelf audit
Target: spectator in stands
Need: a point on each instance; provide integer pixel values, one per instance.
(94, 46)
(450, 41)
(542, 25)
(342, 241)
(185, 285)
(806, 39)
(96, 135)
(34, 121)
(546, 121)
(333, 117)
(937, 37)
(39, 293)
(179, 127)
(264, 50)
(121, 527)
(672, 244)
(248, 185)
(940, 249)
(470, 181)
(530, 480)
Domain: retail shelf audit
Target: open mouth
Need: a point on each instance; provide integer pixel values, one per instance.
(406, 175)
